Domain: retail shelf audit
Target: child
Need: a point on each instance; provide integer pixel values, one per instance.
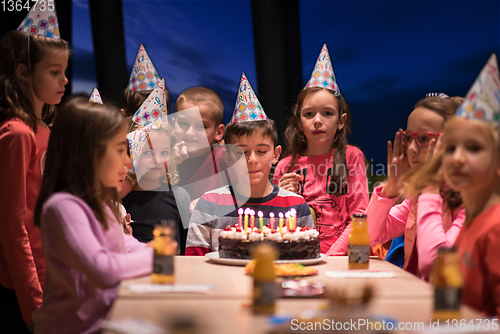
(439, 214)
(143, 79)
(330, 174)
(32, 81)
(83, 243)
(256, 142)
(154, 198)
(198, 132)
(470, 164)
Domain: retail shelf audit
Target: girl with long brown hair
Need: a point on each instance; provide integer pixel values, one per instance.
(32, 81)
(328, 173)
(84, 246)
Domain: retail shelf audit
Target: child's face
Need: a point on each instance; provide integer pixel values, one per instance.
(49, 78)
(469, 161)
(320, 118)
(421, 119)
(122, 178)
(110, 169)
(197, 130)
(260, 155)
(151, 163)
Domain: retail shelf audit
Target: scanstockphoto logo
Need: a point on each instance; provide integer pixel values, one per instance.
(369, 325)
(321, 170)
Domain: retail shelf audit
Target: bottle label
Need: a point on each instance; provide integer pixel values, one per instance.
(447, 298)
(359, 253)
(163, 264)
(264, 293)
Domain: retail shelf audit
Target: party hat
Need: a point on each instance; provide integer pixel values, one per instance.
(323, 75)
(154, 107)
(482, 102)
(248, 107)
(143, 75)
(137, 139)
(95, 96)
(41, 20)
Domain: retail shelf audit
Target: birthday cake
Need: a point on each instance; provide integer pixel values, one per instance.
(291, 242)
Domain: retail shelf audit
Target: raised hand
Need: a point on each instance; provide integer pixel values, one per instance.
(180, 152)
(434, 147)
(397, 165)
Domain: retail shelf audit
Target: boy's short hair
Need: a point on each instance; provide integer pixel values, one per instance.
(239, 129)
(133, 99)
(203, 95)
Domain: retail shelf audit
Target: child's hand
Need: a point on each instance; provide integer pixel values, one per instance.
(290, 182)
(127, 229)
(434, 147)
(193, 205)
(180, 152)
(397, 165)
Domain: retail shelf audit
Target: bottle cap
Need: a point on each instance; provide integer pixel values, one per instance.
(358, 215)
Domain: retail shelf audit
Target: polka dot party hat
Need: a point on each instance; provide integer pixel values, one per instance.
(248, 107)
(144, 75)
(482, 102)
(323, 75)
(41, 20)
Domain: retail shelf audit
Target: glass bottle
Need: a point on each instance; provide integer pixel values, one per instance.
(264, 286)
(447, 281)
(165, 248)
(359, 243)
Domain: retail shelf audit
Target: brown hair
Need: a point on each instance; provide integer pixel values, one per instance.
(239, 129)
(76, 146)
(416, 179)
(16, 99)
(133, 100)
(297, 142)
(203, 95)
(445, 107)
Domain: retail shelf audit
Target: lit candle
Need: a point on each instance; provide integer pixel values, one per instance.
(240, 217)
(252, 219)
(271, 216)
(281, 222)
(261, 223)
(287, 219)
(293, 217)
(247, 211)
(261, 220)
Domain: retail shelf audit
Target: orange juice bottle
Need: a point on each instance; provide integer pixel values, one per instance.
(264, 286)
(359, 243)
(447, 280)
(165, 248)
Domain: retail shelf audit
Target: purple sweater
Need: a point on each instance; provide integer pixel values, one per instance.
(85, 264)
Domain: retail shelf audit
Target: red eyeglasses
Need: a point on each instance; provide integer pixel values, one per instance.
(423, 138)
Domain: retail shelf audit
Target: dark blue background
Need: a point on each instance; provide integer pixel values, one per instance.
(386, 54)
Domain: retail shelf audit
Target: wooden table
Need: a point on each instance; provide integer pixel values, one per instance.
(230, 281)
(226, 308)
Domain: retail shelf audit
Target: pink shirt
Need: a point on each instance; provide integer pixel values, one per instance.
(387, 221)
(22, 265)
(85, 265)
(333, 213)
